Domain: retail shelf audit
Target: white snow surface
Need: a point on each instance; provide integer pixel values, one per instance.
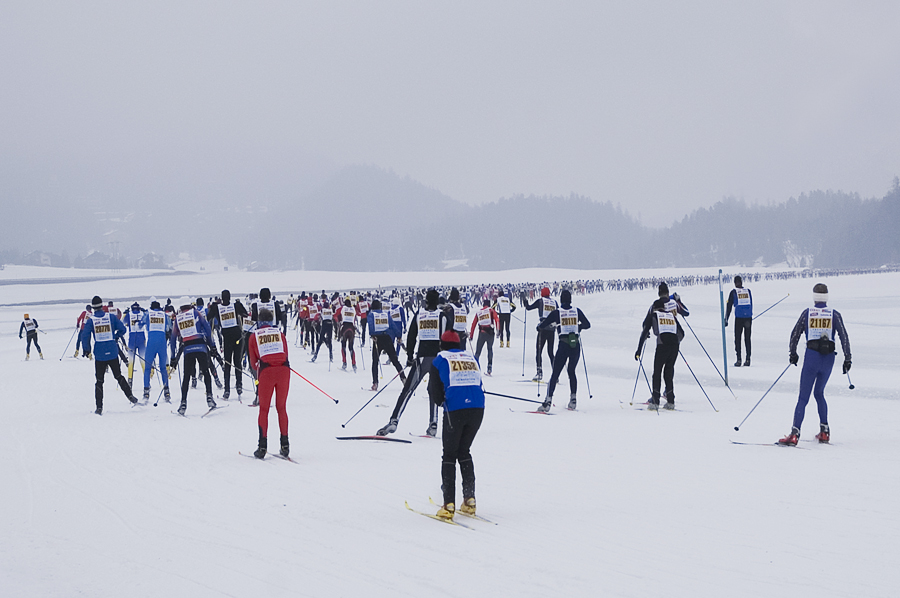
(609, 500)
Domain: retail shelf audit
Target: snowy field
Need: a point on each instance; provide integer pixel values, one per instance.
(606, 501)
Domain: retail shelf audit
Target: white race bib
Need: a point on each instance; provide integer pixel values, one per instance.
(743, 296)
(29, 325)
(819, 323)
(568, 321)
(347, 315)
(227, 316)
(503, 305)
(395, 314)
(459, 318)
(156, 321)
(429, 325)
(463, 368)
(268, 340)
(102, 328)
(548, 307)
(327, 313)
(671, 306)
(187, 324)
(665, 322)
(484, 318)
(382, 321)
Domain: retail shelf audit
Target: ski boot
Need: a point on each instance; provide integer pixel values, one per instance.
(737, 363)
(354, 368)
(218, 382)
(447, 511)
(402, 377)
(226, 394)
(344, 367)
(285, 447)
(824, 435)
(539, 376)
(573, 404)
(41, 355)
(545, 406)
(166, 396)
(390, 428)
(261, 451)
(792, 438)
(488, 372)
(313, 360)
(194, 382)
(133, 399)
(146, 397)
(27, 356)
(747, 362)
(76, 354)
(669, 406)
(432, 429)
(374, 387)
(210, 401)
(468, 506)
(255, 402)
(99, 410)
(183, 407)
(653, 404)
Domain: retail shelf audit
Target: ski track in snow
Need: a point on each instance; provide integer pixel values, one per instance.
(614, 502)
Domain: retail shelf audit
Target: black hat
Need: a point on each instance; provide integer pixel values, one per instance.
(226, 295)
(454, 294)
(565, 297)
(265, 295)
(738, 280)
(97, 302)
(663, 289)
(432, 297)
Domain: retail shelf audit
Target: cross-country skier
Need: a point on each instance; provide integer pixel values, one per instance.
(106, 330)
(229, 315)
(196, 339)
(158, 325)
(137, 339)
(347, 317)
(821, 324)
(569, 322)
(460, 317)
(326, 330)
(428, 324)
(504, 308)
(662, 319)
(545, 306)
(383, 330)
(30, 327)
(742, 301)
(487, 321)
(79, 325)
(269, 357)
(454, 382)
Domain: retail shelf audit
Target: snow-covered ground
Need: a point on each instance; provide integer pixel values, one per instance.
(606, 501)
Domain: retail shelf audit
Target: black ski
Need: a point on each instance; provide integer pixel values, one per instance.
(384, 438)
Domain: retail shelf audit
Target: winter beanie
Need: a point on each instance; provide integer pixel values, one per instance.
(97, 302)
(820, 293)
(663, 289)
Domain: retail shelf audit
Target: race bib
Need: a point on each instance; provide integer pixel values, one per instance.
(671, 306)
(382, 321)
(157, 321)
(819, 323)
(743, 296)
(484, 318)
(102, 328)
(268, 341)
(429, 326)
(503, 304)
(327, 313)
(395, 314)
(347, 315)
(568, 321)
(665, 322)
(29, 325)
(463, 369)
(187, 324)
(459, 318)
(549, 306)
(227, 316)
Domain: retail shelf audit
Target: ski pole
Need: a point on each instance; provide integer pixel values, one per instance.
(710, 358)
(511, 397)
(314, 386)
(637, 375)
(524, 331)
(850, 381)
(69, 343)
(344, 425)
(737, 428)
(586, 378)
(698, 381)
(771, 306)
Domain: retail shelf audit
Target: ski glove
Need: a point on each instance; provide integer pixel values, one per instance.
(794, 358)
(847, 364)
(726, 323)
(637, 356)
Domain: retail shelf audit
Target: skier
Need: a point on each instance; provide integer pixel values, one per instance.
(325, 333)
(228, 313)
(137, 340)
(487, 321)
(106, 330)
(269, 357)
(742, 300)
(383, 330)
(427, 325)
(79, 324)
(820, 323)
(196, 338)
(362, 311)
(504, 308)
(569, 322)
(454, 382)
(398, 315)
(158, 325)
(30, 327)
(669, 333)
(347, 318)
(545, 306)
(460, 317)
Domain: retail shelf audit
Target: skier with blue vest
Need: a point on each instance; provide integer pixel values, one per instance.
(106, 330)
(383, 330)
(569, 322)
(742, 300)
(158, 326)
(196, 340)
(821, 324)
(454, 382)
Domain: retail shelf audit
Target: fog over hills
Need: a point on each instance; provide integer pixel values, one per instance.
(365, 218)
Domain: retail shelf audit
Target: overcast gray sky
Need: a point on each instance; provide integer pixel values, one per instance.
(662, 106)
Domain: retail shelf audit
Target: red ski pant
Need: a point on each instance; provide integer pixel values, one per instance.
(277, 379)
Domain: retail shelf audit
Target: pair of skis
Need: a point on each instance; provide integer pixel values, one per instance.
(450, 521)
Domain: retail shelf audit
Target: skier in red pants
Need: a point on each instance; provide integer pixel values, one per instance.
(269, 358)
